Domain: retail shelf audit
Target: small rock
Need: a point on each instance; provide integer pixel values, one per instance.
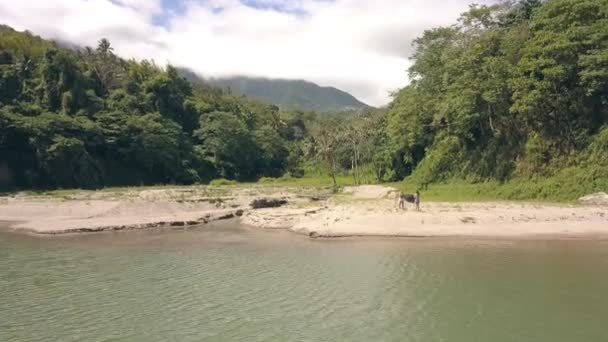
(598, 198)
(267, 203)
(239, 212)
(178, 224)
(313, 235)
(226, 217)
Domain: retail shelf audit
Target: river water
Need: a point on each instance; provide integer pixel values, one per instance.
(231, 283)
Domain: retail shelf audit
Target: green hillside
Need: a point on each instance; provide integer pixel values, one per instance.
(292, 94)
(510, 102)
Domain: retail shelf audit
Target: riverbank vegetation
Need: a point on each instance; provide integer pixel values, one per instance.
(509, 103)
(515, 93)
(88, 118)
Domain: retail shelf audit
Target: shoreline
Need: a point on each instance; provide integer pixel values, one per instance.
(364, 211)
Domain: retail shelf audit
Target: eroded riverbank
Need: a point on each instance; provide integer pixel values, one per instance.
(135, 208)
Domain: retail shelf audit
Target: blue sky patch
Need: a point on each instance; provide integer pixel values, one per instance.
(278, 6)
(171, 8)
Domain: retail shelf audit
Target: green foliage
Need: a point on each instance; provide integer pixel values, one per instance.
(510, 103)
(89, 119)
(295, 160)
(561, 70)
(9, 81)
(68, 164)
(326, 144)
(596, 153)
(23, 44)
(516, 92)
(273, 151)
(223, 181)
(160, 147)
(566, 186)
(535, 158)
(439, 163)
(228, 145)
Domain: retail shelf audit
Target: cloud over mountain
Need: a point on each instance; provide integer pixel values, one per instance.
(360, 46)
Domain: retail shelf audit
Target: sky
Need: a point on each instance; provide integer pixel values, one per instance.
(360, 46)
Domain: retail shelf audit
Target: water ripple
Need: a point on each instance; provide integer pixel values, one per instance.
(193, 286)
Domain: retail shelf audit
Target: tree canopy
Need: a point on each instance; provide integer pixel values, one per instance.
(514, 91)
(88, 118)
(517, 89)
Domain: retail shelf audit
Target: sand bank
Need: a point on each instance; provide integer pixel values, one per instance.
(50, 217)
(359, 211)
(371, 211)
(438, 220)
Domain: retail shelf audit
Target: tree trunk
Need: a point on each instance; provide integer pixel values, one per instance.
(357, 165)
(352, 169)
(333, 172)
(490, 119)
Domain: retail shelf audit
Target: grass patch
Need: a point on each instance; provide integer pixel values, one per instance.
(565, 187)
(222, 182)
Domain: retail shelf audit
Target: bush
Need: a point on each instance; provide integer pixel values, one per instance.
(287, 177)
(597, 152)
(440, 163)
(284, 178)
(267, 180)
(536, 157)
(336, 189)
(222, 181)
(295, 173)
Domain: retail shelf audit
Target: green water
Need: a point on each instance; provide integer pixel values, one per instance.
(229, 283)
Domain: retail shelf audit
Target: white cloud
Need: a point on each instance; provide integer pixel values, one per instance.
(360, 46)
(146, 6)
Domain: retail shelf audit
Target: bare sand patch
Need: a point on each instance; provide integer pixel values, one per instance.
(377, 215)
(370, 191)
(55, 217)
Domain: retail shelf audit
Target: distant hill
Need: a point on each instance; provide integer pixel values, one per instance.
(289, 94)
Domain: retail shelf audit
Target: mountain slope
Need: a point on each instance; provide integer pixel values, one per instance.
(292, 94)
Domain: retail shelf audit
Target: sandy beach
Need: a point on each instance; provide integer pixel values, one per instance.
(359, 211)
(372, 211)
(133, 208)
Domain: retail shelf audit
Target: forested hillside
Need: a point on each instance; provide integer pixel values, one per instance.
(292, 94)
(89, 118)
(513, 91)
